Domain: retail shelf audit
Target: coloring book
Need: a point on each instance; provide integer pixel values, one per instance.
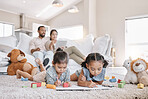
(79, 88)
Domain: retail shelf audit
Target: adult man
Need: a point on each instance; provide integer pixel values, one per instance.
(37, 47)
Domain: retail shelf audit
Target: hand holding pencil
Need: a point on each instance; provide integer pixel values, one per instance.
(58, 82)
(92, 84)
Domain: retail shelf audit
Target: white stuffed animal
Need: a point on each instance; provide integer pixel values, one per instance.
(130, 77)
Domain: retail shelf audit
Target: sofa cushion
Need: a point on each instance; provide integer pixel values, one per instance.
(9, 41)
(108, 52)
(101, 44)
(85, 45)
(24, 43)
(6, 48)
(31, 59)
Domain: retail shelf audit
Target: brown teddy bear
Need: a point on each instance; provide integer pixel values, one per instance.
(18, 61)
(140, 66)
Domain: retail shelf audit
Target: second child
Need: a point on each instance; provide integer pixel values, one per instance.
(93, 71)
(59, 72)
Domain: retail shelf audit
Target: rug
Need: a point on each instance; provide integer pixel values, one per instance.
(11, 88)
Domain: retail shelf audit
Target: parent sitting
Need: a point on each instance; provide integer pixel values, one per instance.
(73, 52)
(37, 47)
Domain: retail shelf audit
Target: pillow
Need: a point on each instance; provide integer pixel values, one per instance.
(6, 48)
(24, 43)
(73, 66)
(108, 52)
(84, 45)
(9, 41)
(3, 59)
(101, 44)
(2, 55)
(2, 64)
(30, 59)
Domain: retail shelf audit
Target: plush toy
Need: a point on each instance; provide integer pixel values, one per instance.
(130, 77)
(18, 61)
(140, 66)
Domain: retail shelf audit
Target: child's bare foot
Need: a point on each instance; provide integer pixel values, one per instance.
(38, 61)
(18, 76)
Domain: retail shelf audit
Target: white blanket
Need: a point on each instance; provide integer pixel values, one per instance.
(3, 59)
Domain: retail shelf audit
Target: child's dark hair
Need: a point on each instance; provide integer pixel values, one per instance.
(53, 31)
(60, 57)
(94, 57)
(59, 49)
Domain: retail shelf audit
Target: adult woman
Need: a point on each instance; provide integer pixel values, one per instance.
(73, 52)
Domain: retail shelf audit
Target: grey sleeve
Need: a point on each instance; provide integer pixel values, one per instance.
(49, 79)
(67, 76)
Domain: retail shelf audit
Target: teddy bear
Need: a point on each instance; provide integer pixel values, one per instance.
(130, 77)
(140, 66)
(19, 62)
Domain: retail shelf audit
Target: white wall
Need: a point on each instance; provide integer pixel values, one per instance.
(90, 17)
(15, 19)
(111, 16)
(85, 17)
(10, 18)
(67, 19)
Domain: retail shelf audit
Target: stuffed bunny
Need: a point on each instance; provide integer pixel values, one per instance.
(130, 77)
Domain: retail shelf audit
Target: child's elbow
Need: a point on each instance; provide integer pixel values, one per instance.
(100, 82)
(81, 83)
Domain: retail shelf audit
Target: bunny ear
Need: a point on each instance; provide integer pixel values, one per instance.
(22, 53)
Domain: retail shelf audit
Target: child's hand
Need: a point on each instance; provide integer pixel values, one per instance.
(58, 82)
(83, 78)
(68, 84)
(92, 84)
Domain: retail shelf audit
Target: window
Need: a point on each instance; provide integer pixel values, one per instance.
(6, 29)
(35, 29)
(72, 33)
(136, 38)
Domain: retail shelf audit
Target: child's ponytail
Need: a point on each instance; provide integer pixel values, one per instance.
(84, 64)
(104, 61)
(105, 64)
(94, 57)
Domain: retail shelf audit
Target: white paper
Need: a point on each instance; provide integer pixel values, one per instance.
(79, 88)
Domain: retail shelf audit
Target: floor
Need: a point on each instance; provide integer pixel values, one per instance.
(12, 88)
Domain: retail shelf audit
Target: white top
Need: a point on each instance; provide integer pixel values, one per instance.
(38, 42)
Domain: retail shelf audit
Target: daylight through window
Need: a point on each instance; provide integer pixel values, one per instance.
(6, 29)
(136, 38)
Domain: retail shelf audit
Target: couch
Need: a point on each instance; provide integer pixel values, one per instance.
(87, 45)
